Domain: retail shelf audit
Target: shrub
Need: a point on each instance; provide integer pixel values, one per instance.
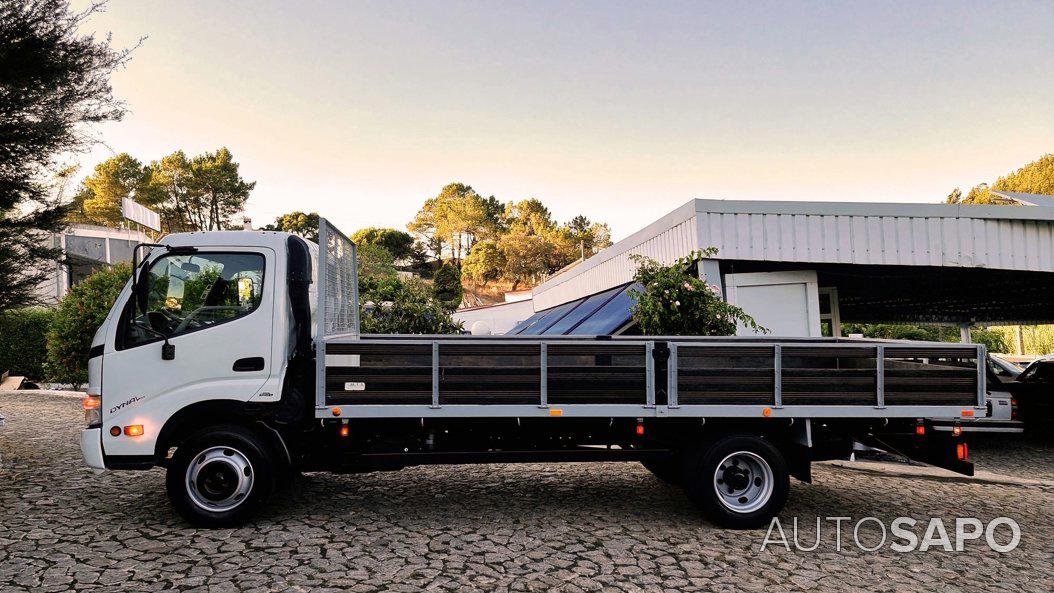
(394, 306)
(23, 341)
(675, 302)
(447, 286)
(80, 313)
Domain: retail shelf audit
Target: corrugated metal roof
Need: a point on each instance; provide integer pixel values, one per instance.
(998, 237)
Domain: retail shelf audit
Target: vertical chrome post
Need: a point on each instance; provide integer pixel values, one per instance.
(880, 376)
(435, 374)
(543, 368)
(671, 377)
(777, 375)
(982, 375)
(649, 371)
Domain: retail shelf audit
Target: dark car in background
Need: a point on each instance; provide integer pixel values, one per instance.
(1033, 391)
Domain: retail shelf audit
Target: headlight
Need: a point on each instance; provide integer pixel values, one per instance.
(92, 410)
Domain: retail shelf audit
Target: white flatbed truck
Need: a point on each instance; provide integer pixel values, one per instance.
(233, 360)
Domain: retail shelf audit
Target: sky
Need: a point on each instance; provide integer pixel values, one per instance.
(621, 111)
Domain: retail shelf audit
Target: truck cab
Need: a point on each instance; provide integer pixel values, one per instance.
(215, 308)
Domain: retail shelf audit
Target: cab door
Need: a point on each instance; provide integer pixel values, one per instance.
(214, 307)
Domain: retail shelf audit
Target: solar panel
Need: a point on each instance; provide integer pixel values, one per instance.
(552, 316)
(616, 313)
(582, 311)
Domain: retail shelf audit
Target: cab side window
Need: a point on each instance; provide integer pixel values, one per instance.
(193, 291)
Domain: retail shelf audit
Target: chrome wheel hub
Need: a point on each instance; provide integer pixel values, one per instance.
(219, 479)
(743, 482)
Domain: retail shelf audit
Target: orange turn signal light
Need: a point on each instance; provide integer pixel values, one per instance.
(91, 402)
(957, 431)
(133, 430)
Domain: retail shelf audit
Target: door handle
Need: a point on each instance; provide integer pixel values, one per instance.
(243, 365)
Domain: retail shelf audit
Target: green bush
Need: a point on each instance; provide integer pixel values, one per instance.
(394, 306)
(80, 313)
(676, 302)
(447, 286)
(23, 341)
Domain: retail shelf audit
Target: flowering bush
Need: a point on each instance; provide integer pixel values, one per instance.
(675, 302)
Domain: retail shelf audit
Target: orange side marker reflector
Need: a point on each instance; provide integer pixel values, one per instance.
(133, 430)
(766, 412)
(968, 413)
(556, 412)
(336, 411)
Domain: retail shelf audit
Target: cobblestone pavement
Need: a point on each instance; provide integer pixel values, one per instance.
(574, 527)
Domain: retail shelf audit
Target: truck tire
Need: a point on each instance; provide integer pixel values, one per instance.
(667, 470)
(738, 481)
(220, 476)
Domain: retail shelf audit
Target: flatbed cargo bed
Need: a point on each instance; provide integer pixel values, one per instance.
(633, 376)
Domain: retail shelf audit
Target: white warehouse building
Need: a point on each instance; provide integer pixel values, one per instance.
(802, 268)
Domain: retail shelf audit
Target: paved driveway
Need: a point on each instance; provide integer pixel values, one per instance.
(575, 527)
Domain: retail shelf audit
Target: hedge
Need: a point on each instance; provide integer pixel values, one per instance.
(23, 341)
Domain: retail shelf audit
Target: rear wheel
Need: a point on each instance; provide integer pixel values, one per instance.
(740, 481)
(220, 476)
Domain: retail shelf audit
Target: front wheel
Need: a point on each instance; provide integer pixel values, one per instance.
(220, 476)
(740, 481)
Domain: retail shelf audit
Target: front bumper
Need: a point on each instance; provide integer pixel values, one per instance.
(91, 448)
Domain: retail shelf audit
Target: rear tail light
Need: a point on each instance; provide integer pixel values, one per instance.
(920, 428)
(92, 410)
(962, 451)
(1013, 408)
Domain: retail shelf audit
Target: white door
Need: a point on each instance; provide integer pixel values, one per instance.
(785, 303)
(215, 307)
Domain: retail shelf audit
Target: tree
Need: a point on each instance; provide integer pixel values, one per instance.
(485, 263)
(101, 193)
(169, 192)
(80, 313)
(673, 301)
(218, 191)
(1036, 177)
(300, 223)
(447, 286)
(456, 217)
(55, 84)
(527, 257)
(398, 243)
(374, 261)
(590, 237)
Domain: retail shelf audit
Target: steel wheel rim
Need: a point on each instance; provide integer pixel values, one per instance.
(219, 479)
(743, 482)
